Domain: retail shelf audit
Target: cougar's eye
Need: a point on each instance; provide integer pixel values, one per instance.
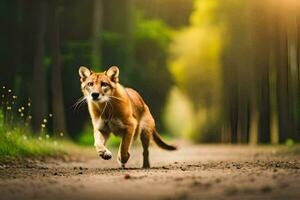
(90, 84)
(104, 84)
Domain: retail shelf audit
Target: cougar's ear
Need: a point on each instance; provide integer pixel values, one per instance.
(84, 72)
(113, 73)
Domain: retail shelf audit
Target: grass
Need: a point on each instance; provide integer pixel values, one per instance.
(16, 137)
(19, 143)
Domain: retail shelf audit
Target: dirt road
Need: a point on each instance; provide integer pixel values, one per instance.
(192, 172)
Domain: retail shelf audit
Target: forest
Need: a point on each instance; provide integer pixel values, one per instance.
(220, 77)
(210, 70)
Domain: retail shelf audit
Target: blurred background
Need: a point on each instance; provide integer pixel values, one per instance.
(210, 70)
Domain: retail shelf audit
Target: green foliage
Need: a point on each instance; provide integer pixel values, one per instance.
(152, 78)
(148, 31)
(179, 115)
(16, 137)
(15, 143)
(235, 64)
(195, 55)
(182, 119)
(289, 142)
(85, 139)
(175, 13)
(117, 51)
(1, 120)
(194, 62)
(110, 37)
(18, 141)
(208, 131)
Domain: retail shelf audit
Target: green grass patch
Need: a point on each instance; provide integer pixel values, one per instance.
(16, 137)
(17, 142)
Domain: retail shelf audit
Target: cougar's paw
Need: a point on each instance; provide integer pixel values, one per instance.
(121, 165)
(122, 160)
(106, 155)
(146, 166)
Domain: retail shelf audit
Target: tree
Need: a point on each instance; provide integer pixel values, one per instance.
(96, 33)
(39, 84)
(259, 67)
(57, 87)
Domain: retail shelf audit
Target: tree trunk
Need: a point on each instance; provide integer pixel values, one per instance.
(96, 34)
(261, 62)
(129, 62)
(282, 79)
(18, 41)
(264, 115)
(57, 87)
(298, 73)
(39, 89)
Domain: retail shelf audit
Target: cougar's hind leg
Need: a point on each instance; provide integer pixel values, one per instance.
(145, 138)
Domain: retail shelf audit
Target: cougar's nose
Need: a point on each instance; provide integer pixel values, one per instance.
(95, 95)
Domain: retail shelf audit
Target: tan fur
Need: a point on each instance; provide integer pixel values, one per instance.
(119, 110)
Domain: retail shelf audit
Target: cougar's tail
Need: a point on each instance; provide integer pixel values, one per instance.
(162, 144)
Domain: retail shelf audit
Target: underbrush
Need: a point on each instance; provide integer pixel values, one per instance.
(17, 142)
(16, 137)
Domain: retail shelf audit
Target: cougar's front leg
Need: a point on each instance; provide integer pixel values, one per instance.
(99, 142)
(127, 138)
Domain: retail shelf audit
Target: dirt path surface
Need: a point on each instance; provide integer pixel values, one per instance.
(192, 172)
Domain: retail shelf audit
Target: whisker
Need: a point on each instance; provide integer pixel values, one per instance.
(79, 102)
(76, 104)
